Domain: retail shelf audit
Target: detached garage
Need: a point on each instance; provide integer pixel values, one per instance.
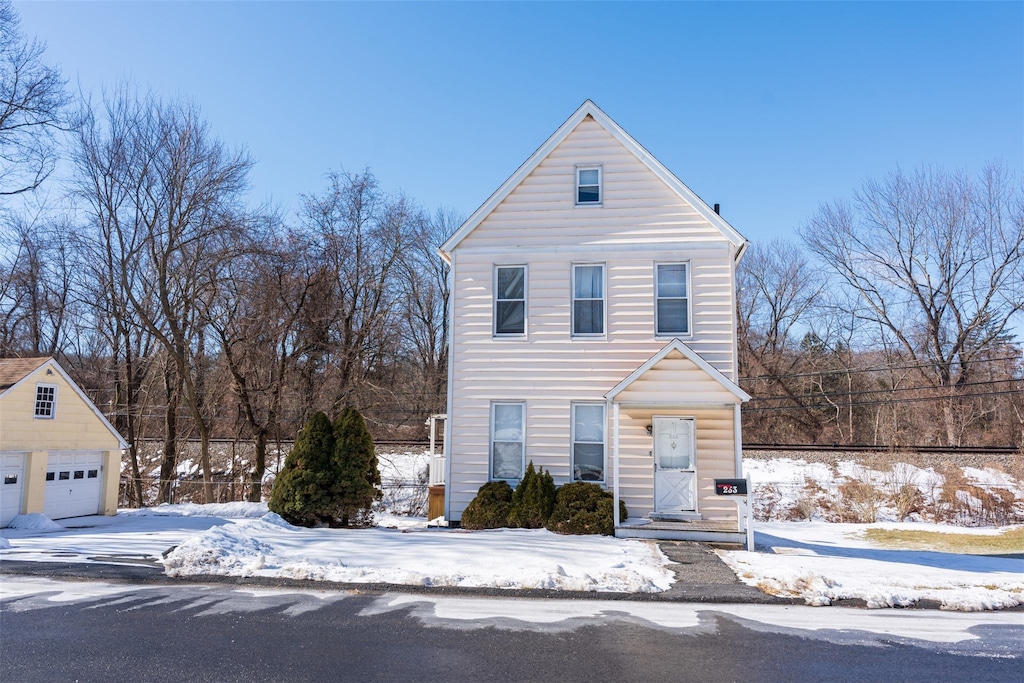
(58, 454)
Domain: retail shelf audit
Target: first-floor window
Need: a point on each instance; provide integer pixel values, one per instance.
(588, 428)
(508, 432)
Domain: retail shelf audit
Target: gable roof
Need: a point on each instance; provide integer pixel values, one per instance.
(16, 371)
(676, 345)
(13, 370)
(590, 109)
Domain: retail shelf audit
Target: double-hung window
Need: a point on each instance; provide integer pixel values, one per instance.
(508, 439)
(588, 185)
(509, 300)
(588, 299)
(672, 309)
(46, 401)
(588, 432)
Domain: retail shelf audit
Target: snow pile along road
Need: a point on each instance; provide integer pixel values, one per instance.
(508, 558)
(822, 563)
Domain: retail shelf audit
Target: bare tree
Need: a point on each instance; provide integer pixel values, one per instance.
(360, 236)
(32, 101)
(169, 194)
(936, 262)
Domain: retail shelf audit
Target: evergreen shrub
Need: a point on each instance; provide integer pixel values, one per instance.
(357, 478)
(533, 500)
(584, 508)
(303, 490)
(490, 508)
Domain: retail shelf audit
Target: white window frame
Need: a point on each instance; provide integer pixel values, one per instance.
(600, 184)
(604, 440)
(604, 302)
(688, 299)
(490, 441)
(53, 404)
(525, 300)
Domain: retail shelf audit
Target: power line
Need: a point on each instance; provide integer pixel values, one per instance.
(853, 404)
(820, 394)
(843, 371)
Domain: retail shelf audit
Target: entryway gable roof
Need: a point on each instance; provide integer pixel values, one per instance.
(679, 347)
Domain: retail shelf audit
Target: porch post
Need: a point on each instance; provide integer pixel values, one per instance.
(737, 435)
(615, 464)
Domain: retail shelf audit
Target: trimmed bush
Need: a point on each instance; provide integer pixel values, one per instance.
(357, 478)
(533, 500)
(304, 488)
(490, 508)
(584, 508)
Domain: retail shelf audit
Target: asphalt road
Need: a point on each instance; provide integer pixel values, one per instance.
(94, 631)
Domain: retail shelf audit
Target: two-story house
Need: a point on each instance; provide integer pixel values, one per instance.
(594, 331)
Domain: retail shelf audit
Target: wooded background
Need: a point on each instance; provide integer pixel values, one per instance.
(186, 312)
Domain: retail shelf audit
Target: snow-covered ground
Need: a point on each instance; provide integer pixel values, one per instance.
(817, 561)
(822, 562)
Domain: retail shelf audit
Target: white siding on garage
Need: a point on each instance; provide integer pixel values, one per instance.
(641, 222)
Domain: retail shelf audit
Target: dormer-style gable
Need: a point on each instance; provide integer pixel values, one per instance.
(587, 185)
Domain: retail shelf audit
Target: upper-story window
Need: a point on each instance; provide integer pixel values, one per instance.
(510, 300)
(46, 401)
(588, 299)
(672, 311)
(588, 185)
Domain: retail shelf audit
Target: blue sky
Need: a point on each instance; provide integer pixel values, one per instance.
(767, 108)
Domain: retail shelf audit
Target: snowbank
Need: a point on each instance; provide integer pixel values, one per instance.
(35, 521)
(223, 510)
(507, 558)
(822, 563)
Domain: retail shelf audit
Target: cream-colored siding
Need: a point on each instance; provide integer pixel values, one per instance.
(640, 223)
(75, 427)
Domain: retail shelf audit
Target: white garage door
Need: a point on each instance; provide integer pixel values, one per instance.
(12, 481)
(73, 484)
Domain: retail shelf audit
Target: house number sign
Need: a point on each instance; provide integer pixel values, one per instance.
(731, 487)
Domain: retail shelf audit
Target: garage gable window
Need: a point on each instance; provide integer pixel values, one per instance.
(46, 401)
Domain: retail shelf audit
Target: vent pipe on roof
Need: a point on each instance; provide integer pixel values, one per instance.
(717, 206)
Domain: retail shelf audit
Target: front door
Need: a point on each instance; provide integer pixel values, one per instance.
(675, 466)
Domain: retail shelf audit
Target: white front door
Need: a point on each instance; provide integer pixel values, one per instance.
(675, 466)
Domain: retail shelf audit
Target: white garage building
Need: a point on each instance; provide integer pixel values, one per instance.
(58, 454)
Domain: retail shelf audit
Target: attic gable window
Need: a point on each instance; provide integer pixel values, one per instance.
(588, 185)
(46, 401)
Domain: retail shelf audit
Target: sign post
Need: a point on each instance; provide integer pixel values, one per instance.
(738, 491)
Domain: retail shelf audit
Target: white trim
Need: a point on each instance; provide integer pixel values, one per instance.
(588, 108)
(577, 250)
(603, 334)
(604, 441)
(490, 440)
(689, 302)
(450, 391)
(600, 184)
(737, 436)
(122, 444)
(616, 521)
(677, 345)
(494, 302)
(53, 402)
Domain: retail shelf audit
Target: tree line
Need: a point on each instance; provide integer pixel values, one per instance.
(186, 312)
